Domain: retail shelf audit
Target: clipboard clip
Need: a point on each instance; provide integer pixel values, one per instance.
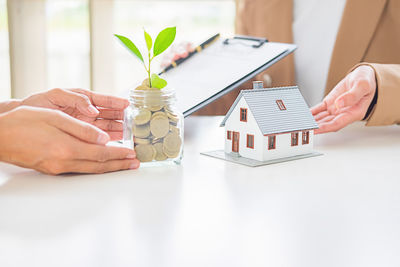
(238, 38)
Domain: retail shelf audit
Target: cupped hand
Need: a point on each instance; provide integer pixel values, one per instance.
(102, 111)
(347, 102)
(53, 142)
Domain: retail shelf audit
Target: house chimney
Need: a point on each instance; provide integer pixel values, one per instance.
(258, 85)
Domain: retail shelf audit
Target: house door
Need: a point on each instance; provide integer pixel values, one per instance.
(235, 142)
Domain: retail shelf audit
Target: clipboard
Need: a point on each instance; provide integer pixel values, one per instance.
(221, 67)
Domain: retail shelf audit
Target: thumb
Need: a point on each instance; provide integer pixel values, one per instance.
(79, 129)
(67, 98)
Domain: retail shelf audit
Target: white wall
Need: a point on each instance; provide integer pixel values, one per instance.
(27, 38)
(250, 127)
(284, 148)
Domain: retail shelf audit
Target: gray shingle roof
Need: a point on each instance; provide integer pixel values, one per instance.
(272, 120)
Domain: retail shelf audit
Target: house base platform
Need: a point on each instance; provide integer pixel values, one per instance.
(220, 154)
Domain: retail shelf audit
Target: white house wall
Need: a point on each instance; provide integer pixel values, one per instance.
(234, 124)
(283, 147)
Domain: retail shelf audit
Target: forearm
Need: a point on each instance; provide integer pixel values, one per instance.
(9, 105)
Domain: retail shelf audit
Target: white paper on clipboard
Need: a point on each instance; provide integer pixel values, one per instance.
(219, 69)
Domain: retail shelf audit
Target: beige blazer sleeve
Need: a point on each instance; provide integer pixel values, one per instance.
(387, 108)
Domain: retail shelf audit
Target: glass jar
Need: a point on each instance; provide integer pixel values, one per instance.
(153, 126)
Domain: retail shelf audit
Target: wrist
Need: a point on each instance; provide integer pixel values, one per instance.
(375, 98)
(371, 106)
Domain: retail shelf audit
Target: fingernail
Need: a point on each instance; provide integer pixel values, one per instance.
(134, 165)
(103, 139)
(92, 110)
(131, 156)
(340, 104)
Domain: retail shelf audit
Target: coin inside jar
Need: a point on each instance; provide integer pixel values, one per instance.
(145, 153)
(159, 126)
(170, 154)
(155, 107)
(142, 117)
(174, 129)
(172, 145)
(141, 141)
(159, 152)
(153, 101)
(172, 117)
(159, 113)
(156, 140)
(141, 131)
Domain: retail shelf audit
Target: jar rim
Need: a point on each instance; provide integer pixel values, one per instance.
(166, 91)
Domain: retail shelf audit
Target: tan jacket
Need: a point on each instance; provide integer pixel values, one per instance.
(369, 32)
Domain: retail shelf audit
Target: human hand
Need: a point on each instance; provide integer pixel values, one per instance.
(53, 142)
(347, 102)
(176, 52)
(102, 111)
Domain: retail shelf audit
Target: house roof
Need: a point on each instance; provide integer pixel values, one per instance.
(272, 120)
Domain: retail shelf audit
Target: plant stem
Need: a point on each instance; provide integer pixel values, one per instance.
(149, 72)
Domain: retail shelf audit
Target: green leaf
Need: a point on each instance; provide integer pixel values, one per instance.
(164, 39)
(130, 45)
(157, 82)
(149, 41)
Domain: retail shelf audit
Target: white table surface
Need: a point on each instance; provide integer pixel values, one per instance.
(340, 209)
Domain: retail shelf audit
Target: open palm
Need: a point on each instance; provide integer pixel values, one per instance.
(347, 102)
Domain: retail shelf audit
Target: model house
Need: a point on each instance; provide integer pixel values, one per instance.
(266, 124)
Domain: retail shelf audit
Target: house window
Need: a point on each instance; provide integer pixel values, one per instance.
(271, 142)
(229, 135)
(306, 138)
(243, 114)
(280, 104)
(250, 141)
(295, 139)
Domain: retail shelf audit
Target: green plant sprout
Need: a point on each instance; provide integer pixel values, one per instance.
(164, 39)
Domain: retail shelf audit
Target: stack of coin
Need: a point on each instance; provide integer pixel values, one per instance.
(155, 129)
